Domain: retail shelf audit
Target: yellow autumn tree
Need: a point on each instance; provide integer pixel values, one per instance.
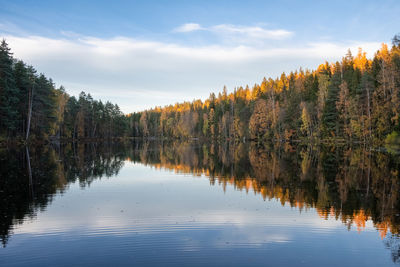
(258, 120)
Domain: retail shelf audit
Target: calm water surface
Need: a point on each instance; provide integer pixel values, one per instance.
(164, 204)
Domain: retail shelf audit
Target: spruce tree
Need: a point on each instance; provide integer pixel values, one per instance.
(330, 113)
(8, 91)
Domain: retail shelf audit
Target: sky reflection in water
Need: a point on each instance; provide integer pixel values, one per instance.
(149, 216)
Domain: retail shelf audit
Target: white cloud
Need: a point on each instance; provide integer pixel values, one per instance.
(252, 32)
(236, 31)
(188, 27)
(140, 74)
(9, 27)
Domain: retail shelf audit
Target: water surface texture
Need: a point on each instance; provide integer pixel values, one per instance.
(193, 204)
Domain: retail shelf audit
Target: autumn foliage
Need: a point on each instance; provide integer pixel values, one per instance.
(356, 99)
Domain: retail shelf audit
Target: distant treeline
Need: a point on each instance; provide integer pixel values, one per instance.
(356, 99)
(31, 107)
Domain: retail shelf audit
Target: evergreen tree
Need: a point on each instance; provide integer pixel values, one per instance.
(8, 92)
(330, 114)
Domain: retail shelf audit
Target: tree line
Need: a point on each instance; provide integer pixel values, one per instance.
(356, 99)
(31, 107)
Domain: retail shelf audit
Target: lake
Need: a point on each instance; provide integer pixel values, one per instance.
(175, 203)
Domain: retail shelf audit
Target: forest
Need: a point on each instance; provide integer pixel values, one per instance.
(31, 108)
(354, 100)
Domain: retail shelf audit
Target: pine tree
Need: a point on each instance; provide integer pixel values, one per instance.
(343, 108)
(44, 107)
(8, 92)
(330, 114)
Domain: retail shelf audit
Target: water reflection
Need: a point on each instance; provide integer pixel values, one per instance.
(351, 184)
(31, 177)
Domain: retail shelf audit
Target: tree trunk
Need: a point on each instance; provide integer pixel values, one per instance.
(30, 104)
(94, 130)
(28, 160)
(369, 113)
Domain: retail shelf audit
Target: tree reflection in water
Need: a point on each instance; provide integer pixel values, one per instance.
(351, 184)
(31, 177)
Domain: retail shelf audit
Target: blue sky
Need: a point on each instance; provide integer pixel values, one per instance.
(140, 54)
